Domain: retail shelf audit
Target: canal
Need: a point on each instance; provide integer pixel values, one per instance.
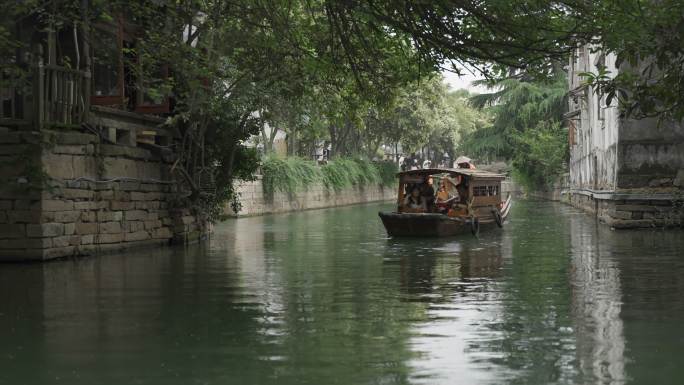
(323, 297)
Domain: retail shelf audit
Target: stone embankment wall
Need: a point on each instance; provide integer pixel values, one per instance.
(255, 202)
(508, 186)
(553, 192)
(65, 193)
(623, 211)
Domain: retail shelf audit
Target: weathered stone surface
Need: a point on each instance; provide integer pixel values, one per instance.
(77, 149)
(135, 215)
(679, 179)
(54, 205)
(78, 214)
(150, 187)
(85, 166)
(61, 241)
(88, 216)
(44, 230)
(87, 239)
(12, 231)
(67, 216)
(147, 205)
(254, 202)
(110, 227)
(10, 137)
(660, 182)
(71, 137)
(91, 205)
(26, 243)
(162, 233)
(106, 195)
(107, 216)
(23, 204)
(58, 252)
(133, 226)
(117, 168)
(634, 208)
(136, 236)
(138, 196)
(58, 165)
(125, 151)
(24, 216)
(119, 205)
(13, 150)
(38, 243)
(109, 238)
(152, 224)
(149, 170)
(86, 228)
(69, 228)
(19, 243)
(120, 195)
(72, 193)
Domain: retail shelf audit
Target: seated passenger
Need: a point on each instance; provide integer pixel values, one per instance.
(442, 193)
(414, 202)
(443, 198)
(428, 194)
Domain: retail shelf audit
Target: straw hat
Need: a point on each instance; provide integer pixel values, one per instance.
(462, 159)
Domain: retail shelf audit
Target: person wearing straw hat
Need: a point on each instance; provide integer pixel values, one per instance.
(463, 162)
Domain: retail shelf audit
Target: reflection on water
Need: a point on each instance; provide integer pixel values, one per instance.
(325, 297)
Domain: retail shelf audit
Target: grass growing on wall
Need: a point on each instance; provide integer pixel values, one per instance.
(294, 174)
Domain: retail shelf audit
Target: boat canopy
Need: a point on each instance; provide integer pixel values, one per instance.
(471, 173)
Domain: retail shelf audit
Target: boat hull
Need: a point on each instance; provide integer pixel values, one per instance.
(438, 225)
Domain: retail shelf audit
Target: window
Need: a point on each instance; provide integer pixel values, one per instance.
(480, 191)
(107, 88)
(493, 190)
(152, 96)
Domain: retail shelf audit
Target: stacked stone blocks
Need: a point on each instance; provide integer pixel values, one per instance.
(633, 213)
(64, 193)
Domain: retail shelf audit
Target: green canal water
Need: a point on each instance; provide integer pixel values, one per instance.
(324, 297)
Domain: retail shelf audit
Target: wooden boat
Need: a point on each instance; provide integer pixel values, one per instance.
(478, 205)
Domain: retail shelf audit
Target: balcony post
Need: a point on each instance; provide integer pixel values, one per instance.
(39, 90)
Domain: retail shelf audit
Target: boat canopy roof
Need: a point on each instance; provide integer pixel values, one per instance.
(471, 173)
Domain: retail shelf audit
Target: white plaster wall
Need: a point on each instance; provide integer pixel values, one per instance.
(593, 157)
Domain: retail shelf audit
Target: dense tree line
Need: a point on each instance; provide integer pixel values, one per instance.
(527, 128)
(360, 73)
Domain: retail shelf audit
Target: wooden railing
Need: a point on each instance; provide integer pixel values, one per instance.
(59, 97)
(56, 97)
(10, 104)
(12, 100)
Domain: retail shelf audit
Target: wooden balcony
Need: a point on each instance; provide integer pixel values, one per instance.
(55, 97)
(59, 97)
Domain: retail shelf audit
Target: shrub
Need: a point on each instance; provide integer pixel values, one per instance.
(295, 174)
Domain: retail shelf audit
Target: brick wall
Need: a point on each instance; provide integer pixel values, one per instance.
(64, 194)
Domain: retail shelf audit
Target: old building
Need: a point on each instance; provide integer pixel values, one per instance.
(630, 173)
(85, 161)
